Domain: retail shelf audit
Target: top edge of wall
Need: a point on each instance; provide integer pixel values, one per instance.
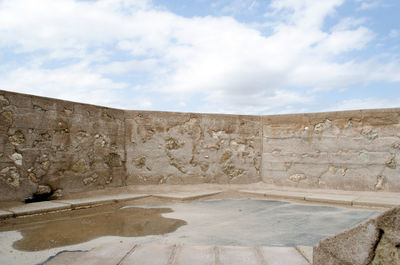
(336, 112)
(358, 112)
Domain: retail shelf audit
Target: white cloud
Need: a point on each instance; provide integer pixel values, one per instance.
(235, 67)
(394, 33)
(368, 4)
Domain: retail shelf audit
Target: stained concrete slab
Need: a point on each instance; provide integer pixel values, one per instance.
(108, 254)
(39, 207)
(162, 254)
(102, 199)
(282, 256)
(331, 198)
(195, 255)
(5, 214)
(231, 255)
(186, 195)
(64, 257)
(260, 222)
(155, 254)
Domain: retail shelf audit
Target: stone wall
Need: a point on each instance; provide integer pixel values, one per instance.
(349, 150)
(185, 148)
(65, 145)
(77, 147)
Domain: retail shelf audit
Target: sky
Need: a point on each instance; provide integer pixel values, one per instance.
(222, 56)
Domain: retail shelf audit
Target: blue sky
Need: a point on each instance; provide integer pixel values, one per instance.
(224, 56)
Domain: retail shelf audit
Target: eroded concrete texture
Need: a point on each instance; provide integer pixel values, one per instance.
(375, 242)
(178, 148)
(348, 150)
(66, 146)
(72, 147)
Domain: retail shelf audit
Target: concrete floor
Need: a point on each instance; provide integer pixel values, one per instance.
(259, 222)
(219, 222)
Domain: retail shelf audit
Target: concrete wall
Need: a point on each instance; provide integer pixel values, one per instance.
(76, 147)
(185, 148)
(62, 144)
(349, 150)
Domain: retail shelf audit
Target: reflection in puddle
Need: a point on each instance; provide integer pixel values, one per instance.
(68, 230)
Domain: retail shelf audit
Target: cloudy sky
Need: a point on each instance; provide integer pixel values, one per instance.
(223, 56)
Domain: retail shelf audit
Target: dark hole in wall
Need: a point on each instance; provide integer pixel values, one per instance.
(39, 197)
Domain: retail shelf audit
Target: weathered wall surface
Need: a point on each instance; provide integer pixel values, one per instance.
(185, 148)
(77, 147)
(375, 242)
(349, 150)
(65, 145)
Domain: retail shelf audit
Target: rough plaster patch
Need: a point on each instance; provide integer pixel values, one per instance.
(43, 189)
(322, 126)
(297, 177)
(369, 134)
(11, 175)
(392, 162)
(4, 101)
(380, 181)
(17, 159)
(173, 144)
(396, 145)
(8, 116)
(140, 162)
(80, 166)
(225, 156)
(237, 146)
(38, 108)
(90, 180)
(112, 160)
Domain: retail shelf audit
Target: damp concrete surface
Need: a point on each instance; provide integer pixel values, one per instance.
(227, 222)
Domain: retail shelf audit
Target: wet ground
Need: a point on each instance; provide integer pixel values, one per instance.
(73, 227)
(222, 222)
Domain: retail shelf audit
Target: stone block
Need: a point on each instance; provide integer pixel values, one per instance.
(276, 194)
(39, 207)
(331, 198)
(373, 242)
(355, 246)
(102, 199)
(377, 201)
(5, 214)
(186, 195)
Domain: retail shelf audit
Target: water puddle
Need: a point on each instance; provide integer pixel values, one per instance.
(44, 232)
